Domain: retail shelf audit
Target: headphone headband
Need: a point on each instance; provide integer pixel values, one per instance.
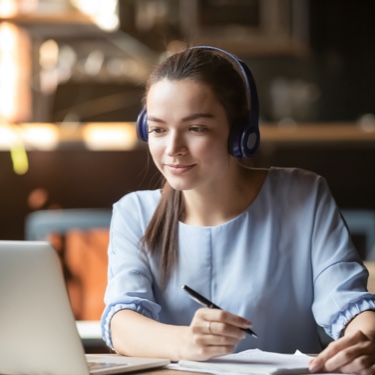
(244, 141)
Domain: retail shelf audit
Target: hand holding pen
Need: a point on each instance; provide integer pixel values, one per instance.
(207, 303)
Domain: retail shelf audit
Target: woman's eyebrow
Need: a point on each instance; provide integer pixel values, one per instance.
(154, 119)
(194, 116)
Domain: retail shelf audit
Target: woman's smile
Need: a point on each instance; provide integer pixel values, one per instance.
(178, 169)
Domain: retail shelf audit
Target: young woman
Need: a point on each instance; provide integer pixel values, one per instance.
(268, 246)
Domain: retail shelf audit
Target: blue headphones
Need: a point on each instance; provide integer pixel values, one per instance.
(244, 139)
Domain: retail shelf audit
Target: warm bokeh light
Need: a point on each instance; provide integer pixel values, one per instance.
(42, 136)
(48, 54)
(48, 61)
(48, 136)
(103, 13)
(37, 198)
(15, 96)
(8, 8)
(8, 70)
(109, 137)
(8, 137)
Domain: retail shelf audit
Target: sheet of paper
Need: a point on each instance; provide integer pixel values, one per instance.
(253, 361)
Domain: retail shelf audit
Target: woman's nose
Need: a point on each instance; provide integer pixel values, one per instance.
(175, 145)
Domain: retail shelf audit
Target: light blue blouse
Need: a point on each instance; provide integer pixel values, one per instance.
(286, 263)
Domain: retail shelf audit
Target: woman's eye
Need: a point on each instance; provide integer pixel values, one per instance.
(198, 129)
(155, 130)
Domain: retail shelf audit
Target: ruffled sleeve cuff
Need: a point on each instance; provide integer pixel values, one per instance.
(353, 309)
(151, 312)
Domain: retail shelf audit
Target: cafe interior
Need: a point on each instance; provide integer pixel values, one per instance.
(72, 76)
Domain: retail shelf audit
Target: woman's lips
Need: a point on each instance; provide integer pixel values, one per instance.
(178, 168)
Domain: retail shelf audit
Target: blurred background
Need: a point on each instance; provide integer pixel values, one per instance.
(71, 86)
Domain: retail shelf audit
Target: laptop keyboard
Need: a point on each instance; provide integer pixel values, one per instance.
(103, 365)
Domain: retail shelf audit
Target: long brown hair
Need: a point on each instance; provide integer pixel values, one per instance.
(206, 66)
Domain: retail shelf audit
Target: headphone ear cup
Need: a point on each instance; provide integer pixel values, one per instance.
(141, 126)
(250, 139)
(245, 142)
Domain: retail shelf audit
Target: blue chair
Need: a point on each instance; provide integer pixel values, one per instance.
(40, 224)
(361, 222)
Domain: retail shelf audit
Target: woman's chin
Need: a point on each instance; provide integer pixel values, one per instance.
(180, 186)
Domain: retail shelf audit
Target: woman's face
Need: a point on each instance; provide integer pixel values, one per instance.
(188, 134)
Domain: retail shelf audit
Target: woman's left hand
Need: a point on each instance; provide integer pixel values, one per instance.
(352, 353)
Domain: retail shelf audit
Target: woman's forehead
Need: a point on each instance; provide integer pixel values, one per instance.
(183, 97)
(180, 82)
(177, 89)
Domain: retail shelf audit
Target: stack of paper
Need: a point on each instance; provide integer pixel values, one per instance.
(253, 361)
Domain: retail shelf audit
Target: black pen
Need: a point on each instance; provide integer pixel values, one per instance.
(207, 303)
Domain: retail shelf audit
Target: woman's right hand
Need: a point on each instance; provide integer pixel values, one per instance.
(212, 333)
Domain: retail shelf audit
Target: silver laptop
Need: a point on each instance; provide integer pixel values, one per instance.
(38, 333)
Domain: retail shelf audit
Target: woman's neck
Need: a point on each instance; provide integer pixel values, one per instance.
(225, 201)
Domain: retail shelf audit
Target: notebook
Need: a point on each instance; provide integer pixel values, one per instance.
(38, 333)
(252, 361)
